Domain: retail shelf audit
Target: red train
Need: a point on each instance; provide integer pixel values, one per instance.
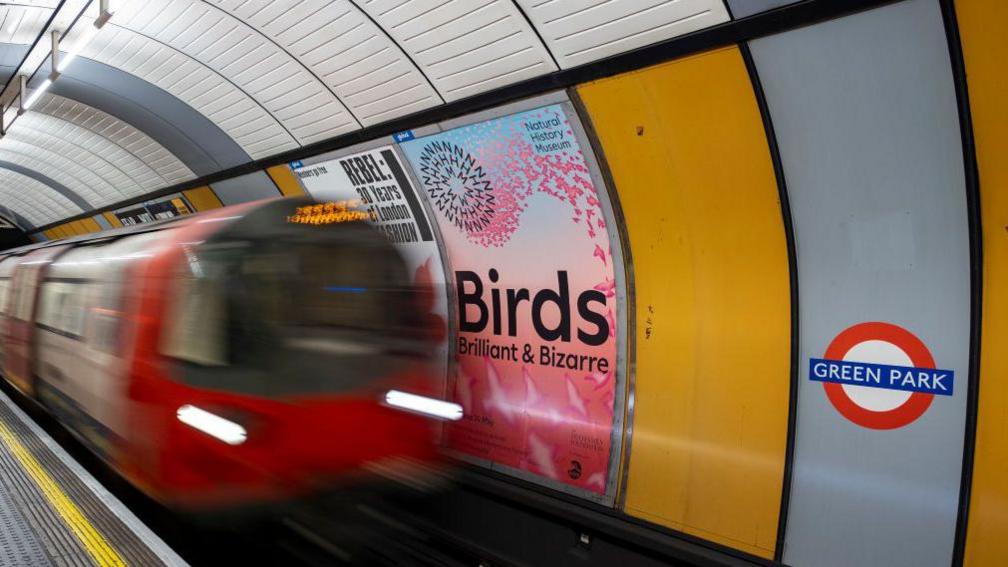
(253, 354)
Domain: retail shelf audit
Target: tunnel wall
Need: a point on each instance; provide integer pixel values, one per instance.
(764, 205)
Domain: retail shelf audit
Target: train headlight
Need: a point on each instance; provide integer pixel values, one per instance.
(211, 424)
(424, 405)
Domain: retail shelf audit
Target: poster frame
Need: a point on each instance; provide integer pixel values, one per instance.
(614, 476)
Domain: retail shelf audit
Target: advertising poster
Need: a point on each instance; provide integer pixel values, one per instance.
(377, 181)
(155, 210)
(527, 237)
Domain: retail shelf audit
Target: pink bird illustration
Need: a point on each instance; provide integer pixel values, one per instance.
(463, 391)
(608, 287)
(498, 398)
(600, 254)
(541, 456)
(601, 380)
(596, 481)
(574, 397)
(532, 395)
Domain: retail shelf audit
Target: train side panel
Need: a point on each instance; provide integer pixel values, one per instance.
(7, 265)
(19, 334)
(81, 357)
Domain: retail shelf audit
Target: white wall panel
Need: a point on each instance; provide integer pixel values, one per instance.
(581, 31)
(464, 46)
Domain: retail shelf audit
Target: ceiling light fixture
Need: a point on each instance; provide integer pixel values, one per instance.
(58, 61)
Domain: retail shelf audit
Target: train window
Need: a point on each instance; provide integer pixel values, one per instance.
(105, 330)
(61, 307)
(104, 319)
(189, 336)
(24, 297)
(4, 290)
(304, 309)
(73, 310)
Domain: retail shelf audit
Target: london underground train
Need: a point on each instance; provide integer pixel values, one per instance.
(255, 354)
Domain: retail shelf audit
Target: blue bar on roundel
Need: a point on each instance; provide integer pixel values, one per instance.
(890, 377)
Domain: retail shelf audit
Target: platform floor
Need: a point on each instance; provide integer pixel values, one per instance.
(53, 512)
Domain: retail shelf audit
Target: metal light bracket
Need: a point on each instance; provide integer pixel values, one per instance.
(103, 13)
(54, 55)
(22, 91)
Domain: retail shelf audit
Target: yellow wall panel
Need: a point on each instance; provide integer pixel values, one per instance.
(690, 162)
(112, 220)
(203, 198)
(79, 227)
(981, 28)
(90, 225)
(69, 228)
(50, 234)
(285, 180)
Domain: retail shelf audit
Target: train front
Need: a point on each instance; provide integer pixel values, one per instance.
(284, 352)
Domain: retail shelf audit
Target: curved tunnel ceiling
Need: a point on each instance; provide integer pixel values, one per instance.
(170, 90)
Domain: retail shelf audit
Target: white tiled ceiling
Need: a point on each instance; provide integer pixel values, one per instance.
(465, 47)
(235, 111)
(79, 177)
(35, 201)
(276, 75)
(344, 49)
(101, 158)
(582, 31)
(146, 161)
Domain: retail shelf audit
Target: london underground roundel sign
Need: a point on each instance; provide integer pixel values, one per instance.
(879, 375)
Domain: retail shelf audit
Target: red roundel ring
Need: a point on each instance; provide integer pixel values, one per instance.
(920, 356)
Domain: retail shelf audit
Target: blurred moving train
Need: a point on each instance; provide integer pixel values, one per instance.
(250, 355)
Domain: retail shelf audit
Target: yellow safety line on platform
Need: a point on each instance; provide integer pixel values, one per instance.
(97, 546)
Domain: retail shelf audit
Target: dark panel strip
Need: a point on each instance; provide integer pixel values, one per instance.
(535, 30)
(407, 188)
(789, 235)
(976, 271)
